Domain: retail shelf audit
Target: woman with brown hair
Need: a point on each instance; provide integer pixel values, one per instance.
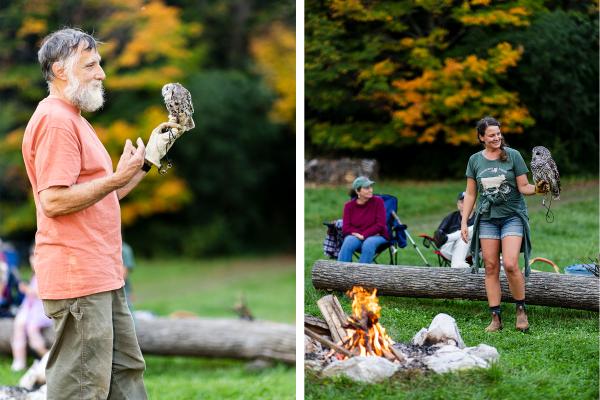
(499, 175)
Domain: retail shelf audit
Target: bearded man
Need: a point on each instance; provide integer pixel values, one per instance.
(78, 260)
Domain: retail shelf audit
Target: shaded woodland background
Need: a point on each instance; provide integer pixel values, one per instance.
(231, 189)
(406, 81)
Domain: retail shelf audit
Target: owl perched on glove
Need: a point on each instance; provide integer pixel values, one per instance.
(544, 168)
(178, 101)
(179, 104)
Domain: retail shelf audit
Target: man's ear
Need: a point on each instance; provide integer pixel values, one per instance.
(59, 71)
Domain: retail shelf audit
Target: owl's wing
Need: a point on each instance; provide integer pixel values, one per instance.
(188, 101)
(556, 174)
(535, 172)
(188, 110)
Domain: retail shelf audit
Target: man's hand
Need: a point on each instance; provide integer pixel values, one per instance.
(161, 140)
(358, 235)
(64, 200)
(130, 162)
(542, 187)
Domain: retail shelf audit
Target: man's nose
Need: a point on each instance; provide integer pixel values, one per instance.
(100, 75)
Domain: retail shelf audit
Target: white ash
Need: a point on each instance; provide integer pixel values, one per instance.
(440, 349)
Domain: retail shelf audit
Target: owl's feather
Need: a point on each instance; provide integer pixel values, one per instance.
(544, 168)
(178, 101)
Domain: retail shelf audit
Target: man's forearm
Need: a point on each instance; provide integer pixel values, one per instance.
(61, 200)
(124, 191)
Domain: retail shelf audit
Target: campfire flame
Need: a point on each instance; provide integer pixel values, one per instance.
(366, 336)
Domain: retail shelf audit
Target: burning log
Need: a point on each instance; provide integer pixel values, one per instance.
(357, 335)
(328, 343)
(548, 289)
(365, 334)
(225, 338)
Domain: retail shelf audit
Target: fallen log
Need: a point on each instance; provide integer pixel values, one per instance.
(214, 338)
(548, 289)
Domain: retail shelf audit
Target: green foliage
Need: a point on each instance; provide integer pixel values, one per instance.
(398, 79)
(379, 74)
(559, 79)
(235, 145)
(557, 358)
(555, 77)
(231, 161)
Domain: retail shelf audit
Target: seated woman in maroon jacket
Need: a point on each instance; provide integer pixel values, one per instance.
(364, 226)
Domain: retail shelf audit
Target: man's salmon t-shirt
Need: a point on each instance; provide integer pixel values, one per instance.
(77, 254)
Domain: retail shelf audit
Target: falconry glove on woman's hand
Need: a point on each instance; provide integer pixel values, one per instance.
(542, 187)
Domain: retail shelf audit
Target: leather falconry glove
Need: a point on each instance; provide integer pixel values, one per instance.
(542, 187)
(161, 140)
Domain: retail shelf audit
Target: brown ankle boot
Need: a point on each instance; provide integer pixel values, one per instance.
(522, 324)
(496, 324)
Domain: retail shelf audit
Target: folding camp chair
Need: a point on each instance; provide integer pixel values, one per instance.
(429, 242)
(443, 261)
(396, 230)
(335, 238)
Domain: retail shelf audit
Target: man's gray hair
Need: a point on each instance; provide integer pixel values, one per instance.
(59, 46)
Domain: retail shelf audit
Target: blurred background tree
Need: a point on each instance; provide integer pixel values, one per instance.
(237, 58)
(407, 81)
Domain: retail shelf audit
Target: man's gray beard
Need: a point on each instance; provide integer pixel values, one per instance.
(88, 97)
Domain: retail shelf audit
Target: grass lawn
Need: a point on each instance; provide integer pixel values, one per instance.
(210, 289)
(558, 359)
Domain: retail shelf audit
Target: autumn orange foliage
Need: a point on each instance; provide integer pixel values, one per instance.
(275, 54)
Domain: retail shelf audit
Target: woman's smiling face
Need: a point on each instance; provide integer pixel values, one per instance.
(492, 138)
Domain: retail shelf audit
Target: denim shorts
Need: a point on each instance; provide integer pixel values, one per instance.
(499, 228)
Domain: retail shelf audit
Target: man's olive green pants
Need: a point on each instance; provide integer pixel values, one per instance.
(95, 354)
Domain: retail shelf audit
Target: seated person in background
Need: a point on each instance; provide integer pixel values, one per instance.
(10, 295)
(447, 236)
(28, 325)
(129, 264)
(364, 226)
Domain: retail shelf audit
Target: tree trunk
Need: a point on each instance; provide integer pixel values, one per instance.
(225, 338)
(547, 289)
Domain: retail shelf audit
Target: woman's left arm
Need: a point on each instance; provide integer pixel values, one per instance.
(524, 186)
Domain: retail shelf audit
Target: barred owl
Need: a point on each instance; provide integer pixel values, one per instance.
(179, 104)
(544, 168)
